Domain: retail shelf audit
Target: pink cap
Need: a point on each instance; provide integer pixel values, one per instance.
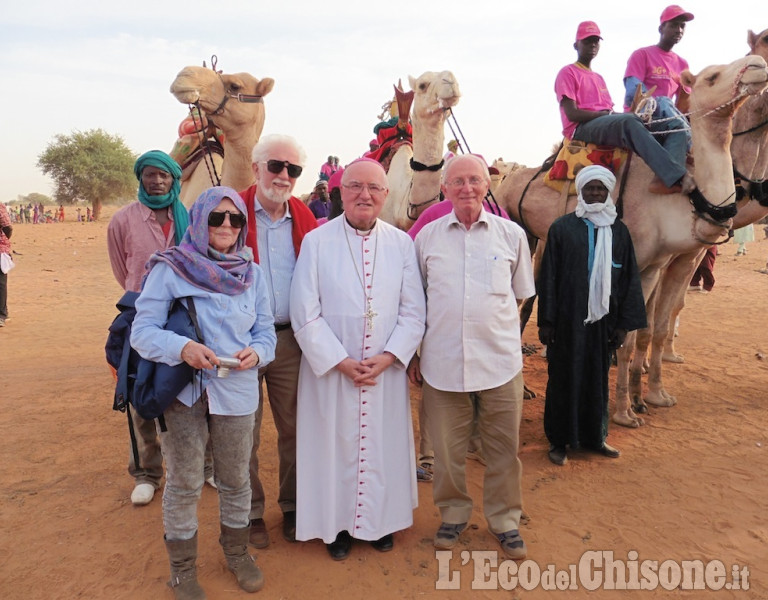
(587, 29)
(673, 12)
(335, 180)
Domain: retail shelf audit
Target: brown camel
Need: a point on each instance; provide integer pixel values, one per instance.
(410, 190)
(234, 104)
(668, 235)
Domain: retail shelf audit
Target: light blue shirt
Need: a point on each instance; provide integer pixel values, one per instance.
(277, 258)
(228, 324)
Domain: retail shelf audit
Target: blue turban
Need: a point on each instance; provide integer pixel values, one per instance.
(160, 160)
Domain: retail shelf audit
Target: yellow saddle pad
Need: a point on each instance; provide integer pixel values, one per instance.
(574, 155)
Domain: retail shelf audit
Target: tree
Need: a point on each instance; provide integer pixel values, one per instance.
(92, 166)
(34, 198)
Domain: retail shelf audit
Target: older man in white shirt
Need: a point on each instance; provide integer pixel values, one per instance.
(474, 266)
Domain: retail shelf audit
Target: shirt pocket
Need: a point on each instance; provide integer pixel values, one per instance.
(498, 279)
(246, 315)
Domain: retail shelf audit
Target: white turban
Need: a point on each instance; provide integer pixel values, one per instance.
(602, 216)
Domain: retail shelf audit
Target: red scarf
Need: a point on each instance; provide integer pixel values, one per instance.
(302, 221)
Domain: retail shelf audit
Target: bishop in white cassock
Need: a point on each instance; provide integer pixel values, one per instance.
(358, 312)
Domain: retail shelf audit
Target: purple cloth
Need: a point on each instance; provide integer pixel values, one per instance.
(195, 261)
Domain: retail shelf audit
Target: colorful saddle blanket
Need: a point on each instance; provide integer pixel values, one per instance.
(575, 155)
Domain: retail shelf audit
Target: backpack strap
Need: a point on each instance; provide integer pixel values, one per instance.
(193, 315)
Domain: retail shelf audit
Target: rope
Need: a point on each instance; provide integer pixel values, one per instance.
(213, 176)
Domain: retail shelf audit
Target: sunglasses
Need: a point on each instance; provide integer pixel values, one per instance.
(276, 166)
(216, 219)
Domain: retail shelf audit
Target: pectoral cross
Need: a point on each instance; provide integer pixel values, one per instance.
(370, 314)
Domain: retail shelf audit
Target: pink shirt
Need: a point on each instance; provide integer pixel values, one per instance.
(5, 220)
(586, 88)
(133, 235)
(441, 209)
(654, 66)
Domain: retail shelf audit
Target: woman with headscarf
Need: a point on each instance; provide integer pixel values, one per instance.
(213, 266)
(589, 298)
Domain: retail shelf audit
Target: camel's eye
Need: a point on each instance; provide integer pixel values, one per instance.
(423, 86)
(234, 87)
(712, 78)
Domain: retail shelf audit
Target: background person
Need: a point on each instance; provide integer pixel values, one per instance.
(156, 221)
(6, 230)
(213, 265)
(586, 111)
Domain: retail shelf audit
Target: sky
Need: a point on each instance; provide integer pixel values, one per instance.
(102, 64)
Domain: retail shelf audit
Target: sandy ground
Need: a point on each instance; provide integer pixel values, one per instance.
(690, 484)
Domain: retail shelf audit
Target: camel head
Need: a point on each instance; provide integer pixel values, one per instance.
(721, 89)
(434, 92)
(758, 43)
(217, 94)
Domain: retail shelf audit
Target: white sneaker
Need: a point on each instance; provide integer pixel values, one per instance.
(142, 494)
(211, 482)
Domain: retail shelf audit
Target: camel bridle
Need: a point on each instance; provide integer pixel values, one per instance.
(207, 134)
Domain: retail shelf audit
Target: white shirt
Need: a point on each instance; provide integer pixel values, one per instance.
(473, 279)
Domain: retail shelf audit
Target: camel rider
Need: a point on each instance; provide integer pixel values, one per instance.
(659, 67)
(586, 110)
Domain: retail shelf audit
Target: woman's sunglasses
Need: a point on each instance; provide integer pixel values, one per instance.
(216, 219)
(276, 166)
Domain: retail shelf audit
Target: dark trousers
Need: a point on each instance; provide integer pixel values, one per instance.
(3, 295)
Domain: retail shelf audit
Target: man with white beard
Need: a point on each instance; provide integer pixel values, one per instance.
(277, 223)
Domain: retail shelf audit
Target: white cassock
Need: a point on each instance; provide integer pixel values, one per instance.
(355, 455)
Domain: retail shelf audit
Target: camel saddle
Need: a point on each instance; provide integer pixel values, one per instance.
(574, 155)
(395, 132)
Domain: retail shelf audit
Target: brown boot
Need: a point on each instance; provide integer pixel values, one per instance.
(182, 555)
(240, 562)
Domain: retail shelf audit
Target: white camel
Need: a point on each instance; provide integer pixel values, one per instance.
(410, 190)
(667, 232)
(234, 104)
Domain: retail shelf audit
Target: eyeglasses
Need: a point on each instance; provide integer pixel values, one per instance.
(473, 181)
(216, 219)
(276, 166)
(357, 188)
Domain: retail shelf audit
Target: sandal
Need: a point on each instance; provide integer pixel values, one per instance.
(423, 474)
(448, 534)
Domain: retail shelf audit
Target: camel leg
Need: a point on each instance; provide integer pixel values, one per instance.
(671, 295)
(650, 281)
(624, 414)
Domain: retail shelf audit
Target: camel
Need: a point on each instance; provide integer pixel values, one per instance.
(504, 169)
(749, 152)
(668, 235)
(411, 191)
(234, 104)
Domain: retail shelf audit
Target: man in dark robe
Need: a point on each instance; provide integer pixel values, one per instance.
(589, 298)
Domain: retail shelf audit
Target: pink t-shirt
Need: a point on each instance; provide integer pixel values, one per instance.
(441, 209)
(586, 88)
(654, 66)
